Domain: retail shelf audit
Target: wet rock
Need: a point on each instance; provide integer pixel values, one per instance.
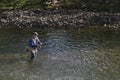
(60, 18)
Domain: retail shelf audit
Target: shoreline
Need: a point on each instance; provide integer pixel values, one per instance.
(59, 18)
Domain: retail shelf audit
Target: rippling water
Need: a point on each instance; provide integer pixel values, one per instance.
(66, 54)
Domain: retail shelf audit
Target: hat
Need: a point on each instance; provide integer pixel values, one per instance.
(35, 33)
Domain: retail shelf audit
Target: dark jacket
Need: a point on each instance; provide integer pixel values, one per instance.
(34, 42)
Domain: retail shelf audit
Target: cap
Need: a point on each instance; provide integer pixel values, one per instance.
(35, 33)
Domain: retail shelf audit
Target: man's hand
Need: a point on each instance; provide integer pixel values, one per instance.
(39, 45)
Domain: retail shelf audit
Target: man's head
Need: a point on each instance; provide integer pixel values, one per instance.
(35, 34)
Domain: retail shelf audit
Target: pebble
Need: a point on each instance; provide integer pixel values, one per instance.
(60, 18)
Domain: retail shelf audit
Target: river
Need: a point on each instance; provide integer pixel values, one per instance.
(66, 54)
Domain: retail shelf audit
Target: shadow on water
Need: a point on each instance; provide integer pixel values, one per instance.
(66, 54)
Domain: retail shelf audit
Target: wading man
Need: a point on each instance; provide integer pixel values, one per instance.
(34, 44)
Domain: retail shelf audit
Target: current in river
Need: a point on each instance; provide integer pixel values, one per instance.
(66, 54)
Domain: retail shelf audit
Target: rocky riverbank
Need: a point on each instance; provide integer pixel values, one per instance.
(59, 18)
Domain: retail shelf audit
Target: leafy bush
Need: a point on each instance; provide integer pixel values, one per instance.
(90, 5)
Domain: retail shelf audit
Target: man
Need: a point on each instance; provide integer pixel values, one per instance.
(34, 44)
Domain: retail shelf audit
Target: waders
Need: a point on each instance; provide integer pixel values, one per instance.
(33, 53)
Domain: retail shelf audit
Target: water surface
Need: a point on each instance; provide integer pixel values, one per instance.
(66, 54)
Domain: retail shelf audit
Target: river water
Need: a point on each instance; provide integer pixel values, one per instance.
(66, 54)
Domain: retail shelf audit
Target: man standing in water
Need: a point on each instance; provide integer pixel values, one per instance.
(34, 44)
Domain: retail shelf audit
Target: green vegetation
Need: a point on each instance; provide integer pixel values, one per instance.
(16, 4)
(89, 5)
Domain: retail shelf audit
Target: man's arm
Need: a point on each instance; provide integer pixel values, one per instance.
(39, 42)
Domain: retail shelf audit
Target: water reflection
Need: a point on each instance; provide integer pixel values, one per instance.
(67, 54)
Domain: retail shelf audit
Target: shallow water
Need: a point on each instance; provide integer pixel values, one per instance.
(66, 54)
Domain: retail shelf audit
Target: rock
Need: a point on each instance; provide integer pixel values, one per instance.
(60, 18)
